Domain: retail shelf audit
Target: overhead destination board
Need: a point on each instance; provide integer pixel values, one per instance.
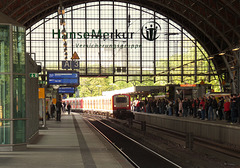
(66, 90)
(63, 78)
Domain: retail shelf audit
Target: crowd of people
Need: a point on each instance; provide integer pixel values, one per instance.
(205, 108)
(58, 109)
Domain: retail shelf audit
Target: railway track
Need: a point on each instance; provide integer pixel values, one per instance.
(138, 154)
(173, 144)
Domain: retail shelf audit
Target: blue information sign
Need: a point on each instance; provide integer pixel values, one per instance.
(63, 78)
(61, 75)
(66, 90)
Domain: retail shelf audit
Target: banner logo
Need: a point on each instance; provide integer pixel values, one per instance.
(150, 30)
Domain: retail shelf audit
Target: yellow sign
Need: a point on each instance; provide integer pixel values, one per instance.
(75, 56)
(41, 93)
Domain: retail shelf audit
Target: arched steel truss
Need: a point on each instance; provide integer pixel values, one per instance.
(215, 24)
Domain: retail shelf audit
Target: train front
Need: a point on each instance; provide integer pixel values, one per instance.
(121, 106)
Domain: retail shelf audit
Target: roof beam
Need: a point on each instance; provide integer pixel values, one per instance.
(206, 34)
(8, 4)
(230, 5)
(23, 5)
(34, 13)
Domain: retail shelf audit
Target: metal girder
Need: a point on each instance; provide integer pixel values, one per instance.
(216, 13)
(23, 5)
(208, 23)
(177, 16)
(52, 6)
(8, 3)
(225, 21)
(181, 12)
(33, 10)
(230, 5)
(199, 17)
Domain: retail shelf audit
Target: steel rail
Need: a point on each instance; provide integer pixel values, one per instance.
(115, 146)
(141, 145)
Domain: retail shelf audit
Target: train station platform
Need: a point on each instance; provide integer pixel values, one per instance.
(69, 143)
(219, 131)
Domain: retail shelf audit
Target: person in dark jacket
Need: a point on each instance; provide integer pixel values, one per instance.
(220, 108)
(234, 110)
(210, 108)
(176, 108)
(198, 108)
(185, 107)
(69, 108)
(238, 107)
(202, 105)
(58, 109)
(194, 107)
(52, 112)
(214, 107)
(206, 100)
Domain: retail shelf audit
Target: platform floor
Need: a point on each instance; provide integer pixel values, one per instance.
(70, 143)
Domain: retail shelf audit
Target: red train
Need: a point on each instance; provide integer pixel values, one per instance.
(118, 105)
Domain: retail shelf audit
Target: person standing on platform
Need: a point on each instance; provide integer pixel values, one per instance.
(146, 104)
(234, 110)
(185, 107)
(58, 109)
(194, 107)
(138, 105)
(220, 108)
(198, 108)
(203, 108)
(52, 108)
(64, 106)
(206, 100)
(69, 108)
(180, 107)
(227, 109)
(210, 109)
(238, 107)
(215, 107)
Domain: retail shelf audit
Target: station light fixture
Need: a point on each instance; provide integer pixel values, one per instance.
(236, 49)
(222, 53)
(211, 57)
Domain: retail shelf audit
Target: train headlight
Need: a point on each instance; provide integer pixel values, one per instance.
(115, 105)
(127, 105)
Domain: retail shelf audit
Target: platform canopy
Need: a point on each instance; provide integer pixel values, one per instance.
(137, 90)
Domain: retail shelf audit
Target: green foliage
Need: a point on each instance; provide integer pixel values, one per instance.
(93, 86)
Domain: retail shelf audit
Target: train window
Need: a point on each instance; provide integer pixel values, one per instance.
(121, 99)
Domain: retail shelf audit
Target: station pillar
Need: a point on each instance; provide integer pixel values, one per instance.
(12, 85)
